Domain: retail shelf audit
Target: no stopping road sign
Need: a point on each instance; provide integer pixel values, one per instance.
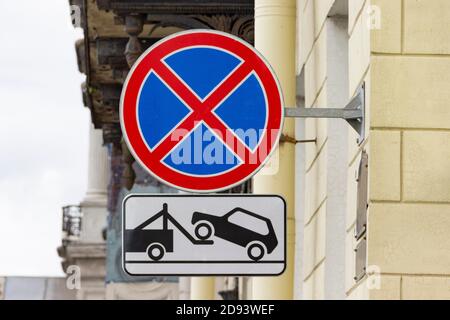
(202, 111)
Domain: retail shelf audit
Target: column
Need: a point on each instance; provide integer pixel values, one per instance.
(203, 288)
(94, 203)
(275, 27)
(98, 170)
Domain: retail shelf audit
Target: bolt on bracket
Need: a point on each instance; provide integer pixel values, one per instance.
(353, 113)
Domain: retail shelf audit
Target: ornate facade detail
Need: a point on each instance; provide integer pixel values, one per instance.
(240, 26)
(179, 7)
(134, 25)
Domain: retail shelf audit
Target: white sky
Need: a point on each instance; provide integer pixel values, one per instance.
(43, 133)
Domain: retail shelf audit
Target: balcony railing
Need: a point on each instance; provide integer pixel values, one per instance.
(71, 224)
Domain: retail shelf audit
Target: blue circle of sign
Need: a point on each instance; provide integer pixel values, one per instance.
(202, 152)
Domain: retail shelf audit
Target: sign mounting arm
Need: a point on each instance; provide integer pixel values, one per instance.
(353, 113)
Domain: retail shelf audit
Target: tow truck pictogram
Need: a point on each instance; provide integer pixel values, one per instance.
(157, 242)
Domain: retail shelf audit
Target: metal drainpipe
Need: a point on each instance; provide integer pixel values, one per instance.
(275, 29)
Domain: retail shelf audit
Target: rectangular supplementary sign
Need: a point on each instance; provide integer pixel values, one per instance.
(204, 235)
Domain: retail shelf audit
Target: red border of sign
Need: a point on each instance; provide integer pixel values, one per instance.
(153, 57)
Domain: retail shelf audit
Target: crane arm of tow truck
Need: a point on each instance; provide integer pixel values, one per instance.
(149, 221)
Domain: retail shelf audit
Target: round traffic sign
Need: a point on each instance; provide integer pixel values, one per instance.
(201, 110)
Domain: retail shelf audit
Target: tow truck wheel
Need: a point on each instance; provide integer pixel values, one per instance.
(155, 251)
(255, 251)
(203, 230)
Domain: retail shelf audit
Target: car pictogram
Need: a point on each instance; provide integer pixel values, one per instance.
(239, 226)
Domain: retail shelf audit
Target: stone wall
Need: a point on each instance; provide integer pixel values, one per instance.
(400, 49)
(409, 218)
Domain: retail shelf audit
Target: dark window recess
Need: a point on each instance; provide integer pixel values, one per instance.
(362, 205)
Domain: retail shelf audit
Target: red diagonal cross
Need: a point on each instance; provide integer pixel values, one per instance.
(202, 110)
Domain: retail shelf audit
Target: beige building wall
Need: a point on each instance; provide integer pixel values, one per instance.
(409, 218)
(401, 50)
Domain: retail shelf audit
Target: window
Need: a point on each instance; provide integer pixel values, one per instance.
(249, 222)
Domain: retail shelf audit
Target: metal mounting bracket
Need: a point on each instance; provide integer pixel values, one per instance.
(353, 113)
